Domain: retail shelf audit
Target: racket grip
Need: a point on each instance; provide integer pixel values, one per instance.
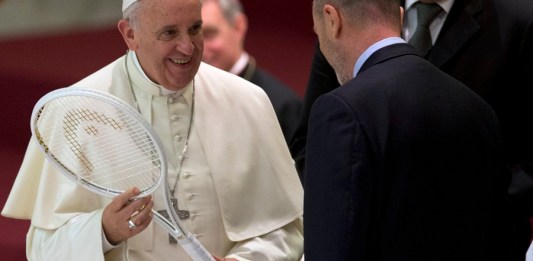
(195, 249)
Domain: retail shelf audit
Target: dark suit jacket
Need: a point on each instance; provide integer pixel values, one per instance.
(287, 104)
(404, 167)
(322, 79)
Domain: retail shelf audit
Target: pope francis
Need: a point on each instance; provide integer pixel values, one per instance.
(235, 181)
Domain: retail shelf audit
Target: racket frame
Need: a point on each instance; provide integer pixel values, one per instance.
(173, 226)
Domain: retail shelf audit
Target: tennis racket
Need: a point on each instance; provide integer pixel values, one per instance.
(105, 145)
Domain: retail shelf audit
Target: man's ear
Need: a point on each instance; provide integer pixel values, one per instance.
(241, 25)
(332, 21)
(127, 33)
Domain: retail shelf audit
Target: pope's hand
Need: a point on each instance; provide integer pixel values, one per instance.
(124, 218)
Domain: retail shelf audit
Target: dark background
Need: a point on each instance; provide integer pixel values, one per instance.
(280, 37)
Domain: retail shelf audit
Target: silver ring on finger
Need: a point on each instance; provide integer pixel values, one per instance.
(131, 224)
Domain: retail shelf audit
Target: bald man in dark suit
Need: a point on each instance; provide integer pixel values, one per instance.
(404, 161)
(487, 45)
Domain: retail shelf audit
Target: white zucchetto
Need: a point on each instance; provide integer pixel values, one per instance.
(127, 3)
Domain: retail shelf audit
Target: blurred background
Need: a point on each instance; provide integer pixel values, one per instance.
(49, 44)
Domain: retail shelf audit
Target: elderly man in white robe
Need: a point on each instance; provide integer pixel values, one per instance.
(237, 181)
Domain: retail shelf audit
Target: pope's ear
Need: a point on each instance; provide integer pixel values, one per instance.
(127, 33)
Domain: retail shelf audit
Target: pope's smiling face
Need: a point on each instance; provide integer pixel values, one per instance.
(167, 38)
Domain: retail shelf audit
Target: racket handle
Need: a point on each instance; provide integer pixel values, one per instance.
(188, 242)
(166, 224)
(195, 249)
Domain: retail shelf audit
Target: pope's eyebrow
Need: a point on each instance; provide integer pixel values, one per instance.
(166, 28)
(198, 23)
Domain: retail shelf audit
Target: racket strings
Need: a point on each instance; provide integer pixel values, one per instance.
(109, 149)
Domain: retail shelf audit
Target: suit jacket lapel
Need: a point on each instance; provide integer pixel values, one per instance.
(458, 28)
(249, 70)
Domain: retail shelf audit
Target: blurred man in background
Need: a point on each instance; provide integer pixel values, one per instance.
(224, 29)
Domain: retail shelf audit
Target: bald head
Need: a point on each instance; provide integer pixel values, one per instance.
(364, 11)
(346, 28)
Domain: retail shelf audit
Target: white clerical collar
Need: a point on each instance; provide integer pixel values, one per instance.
(164, 91)
(241, 63)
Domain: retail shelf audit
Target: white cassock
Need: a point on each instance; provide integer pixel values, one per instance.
(238, 180)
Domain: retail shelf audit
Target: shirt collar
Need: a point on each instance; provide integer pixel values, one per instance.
(241, 63)
(372, 49)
